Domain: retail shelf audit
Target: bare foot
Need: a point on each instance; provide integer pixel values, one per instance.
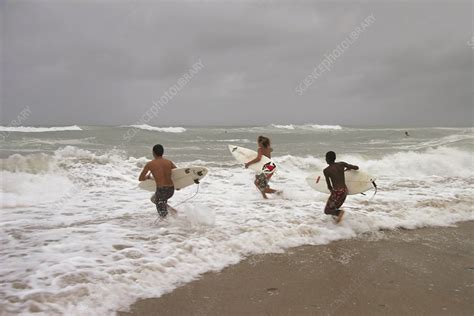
(161, 220)
(172, 210)
(339, 217)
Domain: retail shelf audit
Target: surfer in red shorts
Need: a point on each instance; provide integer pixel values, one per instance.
(336, 182)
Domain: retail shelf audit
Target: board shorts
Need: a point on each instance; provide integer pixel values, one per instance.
(335, 201)
(261, 181)
(162, 195)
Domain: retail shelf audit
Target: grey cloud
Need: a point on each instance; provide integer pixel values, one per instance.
(100, 62)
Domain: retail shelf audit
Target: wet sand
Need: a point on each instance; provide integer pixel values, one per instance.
(427, 271)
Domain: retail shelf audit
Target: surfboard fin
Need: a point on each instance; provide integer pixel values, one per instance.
(375, 186)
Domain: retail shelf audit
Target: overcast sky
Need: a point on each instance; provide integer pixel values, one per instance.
(105, 62)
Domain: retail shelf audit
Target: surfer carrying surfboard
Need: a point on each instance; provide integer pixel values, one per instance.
(160, 168)
(262, 179)
(336, 183)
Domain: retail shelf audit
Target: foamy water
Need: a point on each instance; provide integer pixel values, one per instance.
(159, 129)
(27, 129)
(79, 238)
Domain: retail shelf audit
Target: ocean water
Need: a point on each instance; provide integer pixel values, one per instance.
(79, 238)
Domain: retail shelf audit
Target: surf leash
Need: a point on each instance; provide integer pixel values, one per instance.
(376, 189)
(190, 198)
(173, 207)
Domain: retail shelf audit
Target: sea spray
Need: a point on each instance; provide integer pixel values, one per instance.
(78, 235)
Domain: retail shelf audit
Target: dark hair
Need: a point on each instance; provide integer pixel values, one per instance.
(331, 156)
(158, 150)
(265, 141)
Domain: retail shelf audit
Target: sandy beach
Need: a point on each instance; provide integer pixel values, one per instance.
(427, 271)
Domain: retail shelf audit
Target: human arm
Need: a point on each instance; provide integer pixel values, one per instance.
(328, 181)
(349, 167)
(255, 160)
(144, 174)
(173, 166)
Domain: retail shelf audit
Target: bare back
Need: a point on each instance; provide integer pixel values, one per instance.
(266, 151)
(335, 172)
(161, 168)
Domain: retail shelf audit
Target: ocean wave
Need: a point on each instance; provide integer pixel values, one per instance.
(440, 162)
(60, 204)
(28, 129)
(315, 126)
(307, 127)
(443, 141)
(290, 127)
(159, 129)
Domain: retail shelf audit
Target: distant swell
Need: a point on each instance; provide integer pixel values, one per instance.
(159, 129)
(291, 127)
(307, 127)
(28, 129)
(316, 126)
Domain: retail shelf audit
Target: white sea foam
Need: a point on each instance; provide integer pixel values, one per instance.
(78, 237)
(27, 129)
(290, 127)
(314, 127)
(159, 129)
(443, 141)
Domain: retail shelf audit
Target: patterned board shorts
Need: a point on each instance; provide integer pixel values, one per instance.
(335, 201)
(262, 182)
(162, 195)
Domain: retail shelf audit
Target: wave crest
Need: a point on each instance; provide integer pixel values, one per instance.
(28, 129)
(159, 129)
(307, 127)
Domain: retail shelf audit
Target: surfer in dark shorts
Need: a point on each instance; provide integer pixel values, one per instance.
(160, 168)
(336, 182)
(262, 179)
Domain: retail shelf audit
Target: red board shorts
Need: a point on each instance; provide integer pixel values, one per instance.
(335, 201)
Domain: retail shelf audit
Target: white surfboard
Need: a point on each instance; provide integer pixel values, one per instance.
(356, 182)
(244, 155)
(182, 177)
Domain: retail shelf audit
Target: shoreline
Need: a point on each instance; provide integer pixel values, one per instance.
(421, 271)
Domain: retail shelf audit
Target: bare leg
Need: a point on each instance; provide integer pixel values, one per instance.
(270, 191)
(172, 210)
(340, 214)
(263, 192)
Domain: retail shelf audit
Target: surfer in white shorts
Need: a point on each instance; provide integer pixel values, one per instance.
(261, 180)
(160, 168)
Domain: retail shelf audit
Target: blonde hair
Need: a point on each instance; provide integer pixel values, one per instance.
(265, 141)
